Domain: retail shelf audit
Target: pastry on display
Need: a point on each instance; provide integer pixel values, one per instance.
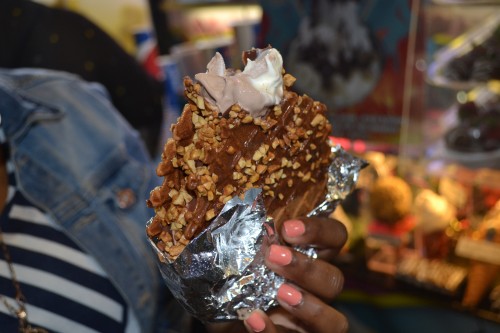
(477, 132)
(456, 193)
(433, 211)
(433, 214)
(239, 130)
(470, 59)
(472, 138)
(481, 64)
(482, 274)
(391, 202)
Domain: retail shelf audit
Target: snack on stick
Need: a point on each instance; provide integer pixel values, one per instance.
(239, 130)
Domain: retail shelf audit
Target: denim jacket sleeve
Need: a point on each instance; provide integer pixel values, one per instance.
(81, 162)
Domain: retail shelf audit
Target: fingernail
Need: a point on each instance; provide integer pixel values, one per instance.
(294, 228)
(256, 322)
(289, 295)
(280, 255)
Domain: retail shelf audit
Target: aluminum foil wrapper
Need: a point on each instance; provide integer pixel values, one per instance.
(221, 274)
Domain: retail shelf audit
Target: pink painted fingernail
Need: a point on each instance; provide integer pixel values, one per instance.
(256, 322)
(289, 295)
(294, 228)
(280, 255)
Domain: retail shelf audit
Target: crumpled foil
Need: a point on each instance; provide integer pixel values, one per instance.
(221, 274)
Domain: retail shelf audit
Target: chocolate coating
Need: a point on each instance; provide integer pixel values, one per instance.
(211, 158)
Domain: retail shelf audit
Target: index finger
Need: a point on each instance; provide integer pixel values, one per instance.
(322, 233)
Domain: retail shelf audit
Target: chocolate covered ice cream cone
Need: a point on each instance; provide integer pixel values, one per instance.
(240, 130)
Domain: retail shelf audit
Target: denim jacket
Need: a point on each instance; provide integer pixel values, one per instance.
(83, 164)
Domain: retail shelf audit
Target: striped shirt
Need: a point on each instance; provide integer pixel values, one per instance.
(66, 290)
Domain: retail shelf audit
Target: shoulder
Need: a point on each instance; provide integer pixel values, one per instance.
(69, 111)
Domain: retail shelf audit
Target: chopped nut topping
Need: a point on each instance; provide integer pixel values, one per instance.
(210, 195)
(288, 80)
(283, 152)
(228, 189)
(254, 178)
(200, 102)
(210, 214)
(275, 143)
(317, 120)
(257, 155)
(277, 111)
(306, 177)
(261, 169)
(241, 163)
(273, 168)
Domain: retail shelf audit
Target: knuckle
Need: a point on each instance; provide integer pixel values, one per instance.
(317, 313)
(334, 283)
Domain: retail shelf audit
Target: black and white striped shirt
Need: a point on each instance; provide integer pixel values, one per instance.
(66, 290)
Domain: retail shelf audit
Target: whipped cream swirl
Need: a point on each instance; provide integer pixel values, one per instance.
(257, 87)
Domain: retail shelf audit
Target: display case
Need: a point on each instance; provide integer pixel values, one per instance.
(449, 157)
